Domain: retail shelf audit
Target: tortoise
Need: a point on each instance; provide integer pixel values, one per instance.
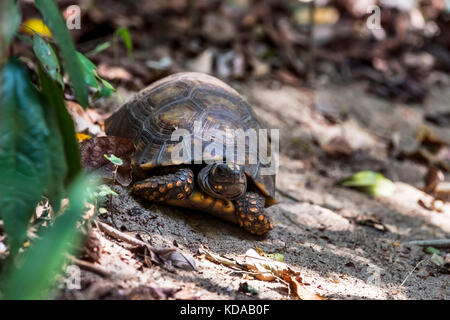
(217, 183)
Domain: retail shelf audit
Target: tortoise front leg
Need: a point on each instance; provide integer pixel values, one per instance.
(167, 186)
(250, 214)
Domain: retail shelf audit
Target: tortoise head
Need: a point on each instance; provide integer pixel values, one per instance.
(223, 180)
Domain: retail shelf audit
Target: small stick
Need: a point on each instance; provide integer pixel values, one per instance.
(438, 243)
(409, 274)
(120, 235)
(92, 267)
(287, 195)
(153, 252)
(311, 44)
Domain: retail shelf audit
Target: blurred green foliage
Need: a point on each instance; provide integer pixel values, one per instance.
(39, 153)
(370, 182)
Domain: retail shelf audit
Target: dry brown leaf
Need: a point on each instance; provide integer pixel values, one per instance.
(268, 270)
(176, 258)
(297, 287)
(83, 119)
(373, 222)
(265, 269)
(218, 258)
(113, 73)
(93, 159)
(432, 179)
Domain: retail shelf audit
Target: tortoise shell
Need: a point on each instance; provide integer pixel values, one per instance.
(177, 102)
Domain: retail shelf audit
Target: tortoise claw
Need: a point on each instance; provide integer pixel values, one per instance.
(250, 214)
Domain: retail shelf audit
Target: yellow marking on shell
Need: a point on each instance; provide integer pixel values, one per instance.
(161, 199)
(189, 180)
(262, 188)
(155, 194)
(253, 201)
(162, 189)
(154, 184)
(260, 217)
(179, 183)
(170, 185)
(180, 196)
(253, 209)
(169, 148)
(187, 188)
(243, 215)
(147, 166)
(218, 187)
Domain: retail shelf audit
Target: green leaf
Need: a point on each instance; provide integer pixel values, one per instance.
(114, 160)
(23, 151)
(91, 78)
(58, 165)
(99, 48)
(362, 178)
(277, 256)
(9, 22)
(35, 275)
(104, 190)
(107, 88)
(55, 22)
(432, 250)
(370, 182)
(54, 97)
(124, 34)
(47, 58)
(89, 73)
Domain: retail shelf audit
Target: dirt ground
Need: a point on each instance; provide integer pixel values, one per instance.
(344, 243)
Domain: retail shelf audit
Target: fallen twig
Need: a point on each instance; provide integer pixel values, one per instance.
(409, 274)
(92, 267)
(287, 195)
(438, 243)
(120, 235)
(161, 256)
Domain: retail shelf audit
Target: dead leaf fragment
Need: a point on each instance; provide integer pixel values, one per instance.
(113, 73)
(177, 259)
(265, 269)
(83, 119)
(297, 287)
(93, 159)
(219, 258)
(372, 222)
(432, 179)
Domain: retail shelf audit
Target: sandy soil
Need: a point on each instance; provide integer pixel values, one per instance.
(320, 233)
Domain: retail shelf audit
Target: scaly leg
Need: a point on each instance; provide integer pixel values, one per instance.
(170, 185)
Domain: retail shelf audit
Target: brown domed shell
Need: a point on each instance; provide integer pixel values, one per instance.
(177, 102)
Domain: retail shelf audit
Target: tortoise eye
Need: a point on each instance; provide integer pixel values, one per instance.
(220, 170)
